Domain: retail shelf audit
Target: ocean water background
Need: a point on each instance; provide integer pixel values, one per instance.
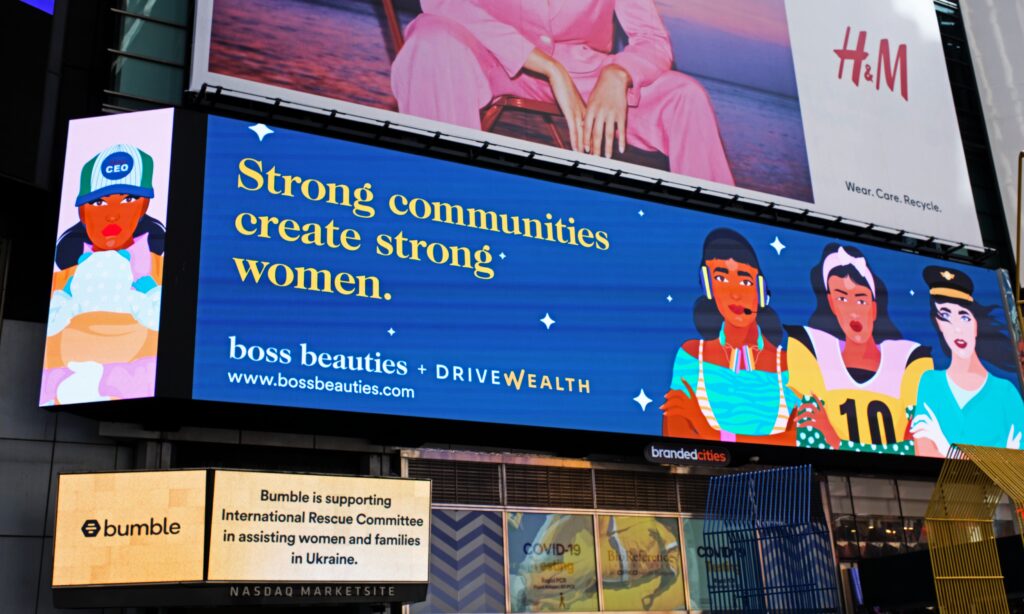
(341, 49)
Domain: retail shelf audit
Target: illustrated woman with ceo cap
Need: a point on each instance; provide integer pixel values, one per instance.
(105, 300)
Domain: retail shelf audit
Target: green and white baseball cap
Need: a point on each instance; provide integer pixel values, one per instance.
(120, 169)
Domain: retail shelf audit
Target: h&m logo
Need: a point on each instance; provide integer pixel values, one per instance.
(891, 68)
(92, 528)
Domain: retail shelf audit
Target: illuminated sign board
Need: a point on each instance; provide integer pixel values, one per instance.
(838, 107)
(263, 538)
(129, 528)
(311, 528)
(107, 284)
(342, 276)
(339, 276)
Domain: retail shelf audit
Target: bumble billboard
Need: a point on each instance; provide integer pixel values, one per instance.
(129, 528)
(223, 537)
(316, 528)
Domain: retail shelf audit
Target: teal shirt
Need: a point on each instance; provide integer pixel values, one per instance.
(745, 403)
(984, 421)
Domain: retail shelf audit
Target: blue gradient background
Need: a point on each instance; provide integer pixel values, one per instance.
(613, 326)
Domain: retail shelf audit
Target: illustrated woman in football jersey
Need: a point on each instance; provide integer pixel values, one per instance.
(730, 383)
(850, 364)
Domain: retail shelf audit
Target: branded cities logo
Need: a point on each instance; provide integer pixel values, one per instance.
(886, 66)
(154, 527)
(687, 455)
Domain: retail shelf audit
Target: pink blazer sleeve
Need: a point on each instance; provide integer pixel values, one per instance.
(648, 55)
(502, 39)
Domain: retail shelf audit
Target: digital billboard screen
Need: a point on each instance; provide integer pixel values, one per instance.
(838, 107)
(137, 527)
(342, 276)
(107, 285)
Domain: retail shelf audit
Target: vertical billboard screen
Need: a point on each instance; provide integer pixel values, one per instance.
(342, 276)
(104, 317)
(838, 107)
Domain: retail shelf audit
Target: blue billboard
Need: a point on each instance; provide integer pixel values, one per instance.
(342, 276)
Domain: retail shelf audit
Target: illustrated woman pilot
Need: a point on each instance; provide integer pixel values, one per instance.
(105, 300)
(731, 383)
(965, 403)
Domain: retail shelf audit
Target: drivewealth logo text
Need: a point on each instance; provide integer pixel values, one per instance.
(152, 527)
(687, 455)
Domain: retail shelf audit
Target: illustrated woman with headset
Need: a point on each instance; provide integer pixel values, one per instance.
(731, 383)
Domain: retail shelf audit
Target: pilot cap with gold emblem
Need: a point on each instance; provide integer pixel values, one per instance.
(945, 282)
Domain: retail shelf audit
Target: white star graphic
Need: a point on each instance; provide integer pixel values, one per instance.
(669, 298)
(640, 213)
(777, 246)
(642, 400)
(391, 332)
(547, 320)
(911, 293)
(261, 130)
(501, 255)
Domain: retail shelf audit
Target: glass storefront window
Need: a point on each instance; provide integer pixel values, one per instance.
(914, 497)
(872, 496)
(847, 540)
(641, 563)
(880, 535)
(839, 494)
(696, 570)
(551, 562)
(914, 534)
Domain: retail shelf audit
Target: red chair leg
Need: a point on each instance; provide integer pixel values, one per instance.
(490, 116)
(555, 134)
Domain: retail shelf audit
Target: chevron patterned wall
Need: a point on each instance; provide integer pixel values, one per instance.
(466, 563)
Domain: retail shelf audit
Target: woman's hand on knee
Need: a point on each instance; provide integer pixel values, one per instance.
(563, 88)
(606, 112)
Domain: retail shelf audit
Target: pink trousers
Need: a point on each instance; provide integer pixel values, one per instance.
(444, 73)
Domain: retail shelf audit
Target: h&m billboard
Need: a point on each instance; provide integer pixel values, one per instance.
(842, 108)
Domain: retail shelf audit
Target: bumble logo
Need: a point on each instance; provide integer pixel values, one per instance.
(154, 527)
(90, 528)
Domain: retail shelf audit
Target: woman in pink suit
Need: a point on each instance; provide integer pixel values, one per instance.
(461, 54)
